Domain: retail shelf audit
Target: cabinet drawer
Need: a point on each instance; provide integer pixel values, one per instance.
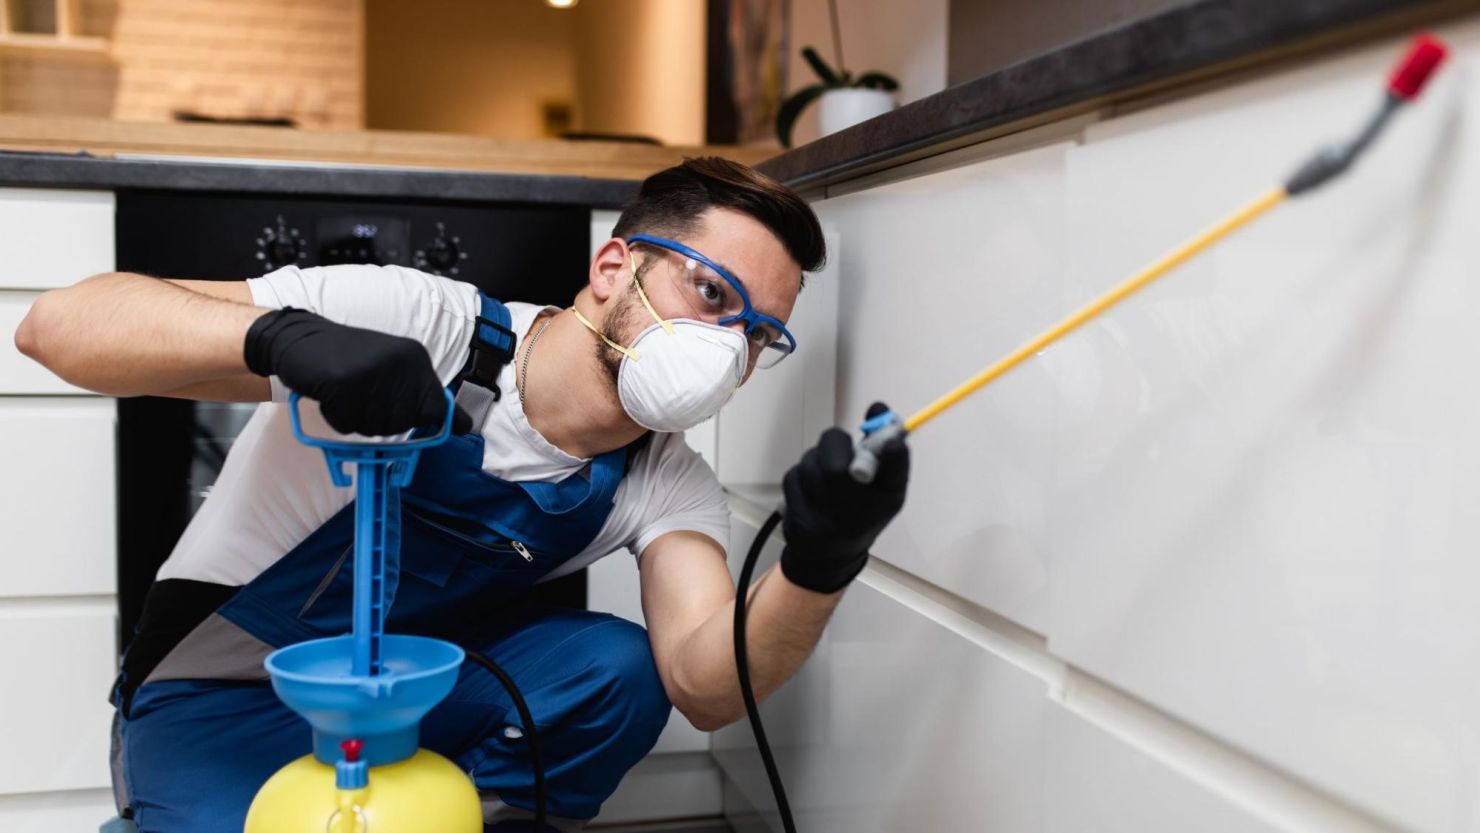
(1096, 782)
(57, 496)
(50, 812)
(896, 723)
(54, 714)
(20, 373)
(54, 237)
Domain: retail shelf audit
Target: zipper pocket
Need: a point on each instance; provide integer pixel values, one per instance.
(502, 549)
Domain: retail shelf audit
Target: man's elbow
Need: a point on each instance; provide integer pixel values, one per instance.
(42, 333)
(708, 714)
(30, 336)
(707, 721)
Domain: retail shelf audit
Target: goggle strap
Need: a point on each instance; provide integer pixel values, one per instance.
(626, 351)
(667, 325)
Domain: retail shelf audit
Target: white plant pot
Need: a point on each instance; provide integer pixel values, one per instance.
(846, 107)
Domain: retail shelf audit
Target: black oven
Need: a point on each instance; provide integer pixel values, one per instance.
(170, 451)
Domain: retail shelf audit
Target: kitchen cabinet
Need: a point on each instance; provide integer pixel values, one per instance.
(57, 497)
(1213, 553)
(1266, 482)
(58, 603)
(938, 275)
(894, 723)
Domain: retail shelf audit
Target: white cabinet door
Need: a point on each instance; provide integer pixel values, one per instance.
(940, 275)
(19, 373)
(895, 723)
(57, 504)
(53, 237)
(1095, 783)
(779, 411)
(74, 810)
(1266, 513)
(59, 660)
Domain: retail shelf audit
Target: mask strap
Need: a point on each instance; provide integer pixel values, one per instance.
(626, 351)
(667, 325)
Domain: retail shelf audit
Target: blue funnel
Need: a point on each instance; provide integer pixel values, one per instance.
(315, 679)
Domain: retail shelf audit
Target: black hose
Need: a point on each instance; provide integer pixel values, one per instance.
(742, 665)
(540, 798)
(747, 693)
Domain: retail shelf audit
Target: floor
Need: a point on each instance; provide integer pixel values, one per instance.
(713, 825)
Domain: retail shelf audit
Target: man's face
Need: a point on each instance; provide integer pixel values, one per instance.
(735, 241)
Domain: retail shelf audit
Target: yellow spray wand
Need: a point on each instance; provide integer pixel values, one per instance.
(1422, 58)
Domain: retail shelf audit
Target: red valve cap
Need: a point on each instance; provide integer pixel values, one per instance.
(352, 750)
(1424, 56)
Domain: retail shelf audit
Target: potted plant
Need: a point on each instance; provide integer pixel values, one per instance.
(846, 99)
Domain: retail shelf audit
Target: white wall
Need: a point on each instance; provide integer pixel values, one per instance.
(906, 40)
(1207, 564)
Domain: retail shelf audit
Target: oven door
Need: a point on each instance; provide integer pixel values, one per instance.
(171, 451)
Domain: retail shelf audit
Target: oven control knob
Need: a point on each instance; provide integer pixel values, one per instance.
(443, 255)
(279, 245)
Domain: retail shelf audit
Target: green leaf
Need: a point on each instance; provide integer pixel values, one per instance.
(820, 67)
(877, 81)
(791, 108)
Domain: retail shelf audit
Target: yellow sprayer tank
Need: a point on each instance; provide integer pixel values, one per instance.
(425, 793)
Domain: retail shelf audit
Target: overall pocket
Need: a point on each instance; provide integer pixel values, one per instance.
(454, 577)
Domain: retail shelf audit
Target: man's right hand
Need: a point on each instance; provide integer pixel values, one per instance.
(831, 520)
(366, 382)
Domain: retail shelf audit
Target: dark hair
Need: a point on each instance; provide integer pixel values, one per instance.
(672, 200)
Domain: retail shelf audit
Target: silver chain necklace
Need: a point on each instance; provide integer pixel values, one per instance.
(524, 363)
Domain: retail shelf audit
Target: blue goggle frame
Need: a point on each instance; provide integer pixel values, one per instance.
(747, 313)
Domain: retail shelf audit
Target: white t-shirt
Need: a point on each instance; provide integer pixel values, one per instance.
(274, 491)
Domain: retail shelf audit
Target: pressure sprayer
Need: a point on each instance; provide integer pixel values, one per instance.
(1407, 79)
(364, 694)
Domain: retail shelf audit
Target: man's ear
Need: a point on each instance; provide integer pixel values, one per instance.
(609, 269)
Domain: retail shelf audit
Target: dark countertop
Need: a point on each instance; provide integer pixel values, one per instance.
(1186, 42)
(57, 170)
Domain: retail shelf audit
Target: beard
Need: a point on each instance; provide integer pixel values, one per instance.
(615, 326)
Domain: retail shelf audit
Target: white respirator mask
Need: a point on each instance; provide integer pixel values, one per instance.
(678, 372)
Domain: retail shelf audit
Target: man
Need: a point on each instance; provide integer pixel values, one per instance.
(568, 447)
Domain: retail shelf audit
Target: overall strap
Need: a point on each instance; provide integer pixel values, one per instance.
(492, 347)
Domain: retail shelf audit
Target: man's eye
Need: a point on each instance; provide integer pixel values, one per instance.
(710, 292)
(760, 337)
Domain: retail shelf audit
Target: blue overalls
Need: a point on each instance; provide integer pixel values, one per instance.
(204, 730)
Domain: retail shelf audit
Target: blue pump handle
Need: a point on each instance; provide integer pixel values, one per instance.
(339, 452)
(342, 445)
(382, 468)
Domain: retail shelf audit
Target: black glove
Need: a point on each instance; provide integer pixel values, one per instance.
(366, 382)
(831, 519)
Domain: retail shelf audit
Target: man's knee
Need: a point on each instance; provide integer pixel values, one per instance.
(633, 701)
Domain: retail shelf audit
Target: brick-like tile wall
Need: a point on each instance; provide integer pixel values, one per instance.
(298, 58)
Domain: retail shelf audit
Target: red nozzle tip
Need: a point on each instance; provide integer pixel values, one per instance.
(352, 750)
(1423, 57)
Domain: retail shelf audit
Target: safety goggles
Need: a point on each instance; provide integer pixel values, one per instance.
(716, 296)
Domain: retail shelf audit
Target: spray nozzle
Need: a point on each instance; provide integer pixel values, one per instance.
(1424, 55)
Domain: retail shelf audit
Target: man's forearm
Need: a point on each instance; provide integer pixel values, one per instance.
(782, 626)
(123, 334)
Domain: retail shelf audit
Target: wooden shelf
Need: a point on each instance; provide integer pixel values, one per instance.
(394, 148)
(33, 42)
(63, 39)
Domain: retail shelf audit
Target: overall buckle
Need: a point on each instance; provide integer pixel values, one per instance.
(492, 349)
